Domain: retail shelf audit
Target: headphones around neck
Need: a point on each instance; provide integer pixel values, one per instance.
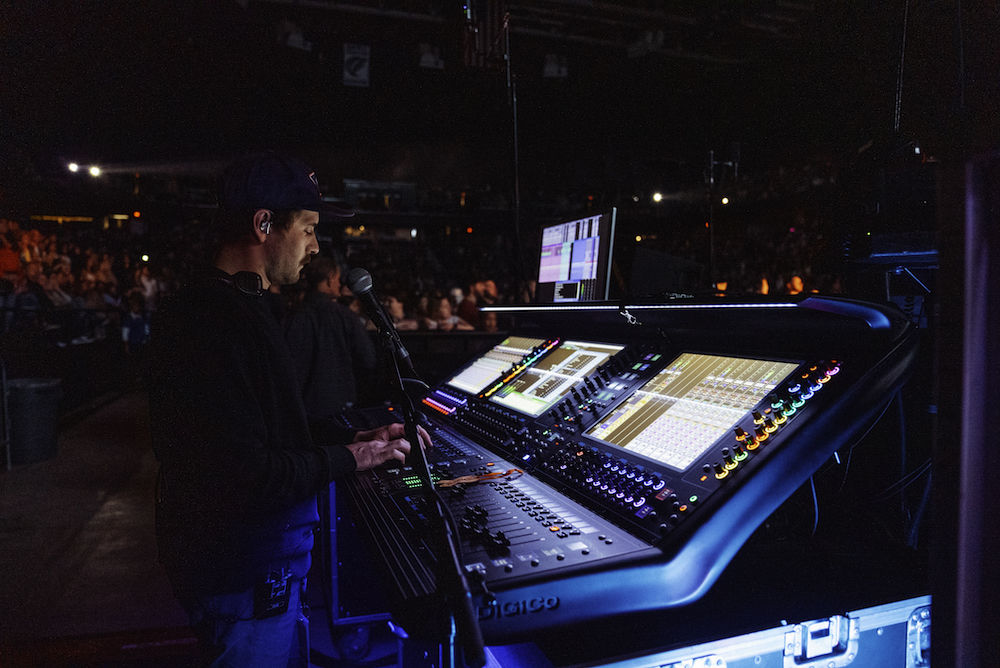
(249, 282)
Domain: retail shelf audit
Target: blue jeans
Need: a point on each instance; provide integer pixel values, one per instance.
(225, 624)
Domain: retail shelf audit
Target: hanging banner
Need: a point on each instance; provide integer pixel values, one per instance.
(357, 61)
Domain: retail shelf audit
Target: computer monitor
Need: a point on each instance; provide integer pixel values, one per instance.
(575, 260)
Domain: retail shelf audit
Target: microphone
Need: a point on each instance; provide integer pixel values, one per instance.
(359, 281)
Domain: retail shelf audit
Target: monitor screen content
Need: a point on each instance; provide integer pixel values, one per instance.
(488, 367)
(546, 382)
(676, 416)
(575, 260)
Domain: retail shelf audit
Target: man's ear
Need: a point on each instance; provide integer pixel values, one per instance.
(262, 221)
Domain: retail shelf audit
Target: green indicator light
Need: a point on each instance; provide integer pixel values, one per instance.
(693, 499)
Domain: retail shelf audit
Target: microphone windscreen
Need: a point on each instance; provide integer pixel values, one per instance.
(359, 280)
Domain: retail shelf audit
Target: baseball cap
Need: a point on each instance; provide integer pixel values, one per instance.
(273, 181)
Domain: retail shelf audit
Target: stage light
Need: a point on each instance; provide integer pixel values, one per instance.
(657, 197)
(725, 200)
(136, 214)
(638, 238)
(95, 171)
(413, 233)
(145, 258)
(73, 167)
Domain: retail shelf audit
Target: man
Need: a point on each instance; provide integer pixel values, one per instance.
(240, 463)
(480, 292)
(328, 343)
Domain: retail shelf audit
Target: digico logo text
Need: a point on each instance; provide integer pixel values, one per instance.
(515, 608)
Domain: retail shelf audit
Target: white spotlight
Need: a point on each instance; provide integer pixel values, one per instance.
(73, 167)
(95, 171)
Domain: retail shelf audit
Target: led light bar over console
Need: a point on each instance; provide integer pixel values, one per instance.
(601, 465)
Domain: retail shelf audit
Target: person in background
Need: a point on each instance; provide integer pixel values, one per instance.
(135, 334)
(333, 353)
(480, 293)
(10, 261)
(440, 316)
(241, 462)
(397, 312)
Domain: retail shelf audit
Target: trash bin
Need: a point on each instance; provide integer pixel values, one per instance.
(33, 406)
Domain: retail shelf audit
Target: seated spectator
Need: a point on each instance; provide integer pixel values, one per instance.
(440, 316)
(10, 262)
(480, 292)
(397, 313)
(488, 322)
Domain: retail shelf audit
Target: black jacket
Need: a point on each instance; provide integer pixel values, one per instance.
(331, 349)
(240, 465)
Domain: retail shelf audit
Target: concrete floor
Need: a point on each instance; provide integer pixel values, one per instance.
(77, 547)
(82, 584)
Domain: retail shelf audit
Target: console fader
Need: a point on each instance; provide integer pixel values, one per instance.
(622, 470)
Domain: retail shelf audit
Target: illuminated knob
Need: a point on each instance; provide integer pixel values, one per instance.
(757, 417)
(769, 425)
(740, 434)
(719, 469)
(739, 453)
(728, 457)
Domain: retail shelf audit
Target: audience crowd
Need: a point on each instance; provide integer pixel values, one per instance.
(79, 283)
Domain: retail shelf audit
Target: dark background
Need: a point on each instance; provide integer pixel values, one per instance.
(156, 88)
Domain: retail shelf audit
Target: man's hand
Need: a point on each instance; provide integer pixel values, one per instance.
(369, 453)
(377, 446)
(393, 431)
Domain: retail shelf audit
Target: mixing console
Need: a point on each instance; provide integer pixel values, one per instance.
(621, 471)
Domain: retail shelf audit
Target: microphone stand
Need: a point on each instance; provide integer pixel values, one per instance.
(463, 620)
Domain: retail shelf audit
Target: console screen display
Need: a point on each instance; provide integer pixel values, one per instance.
(489, 367)
(679, 413)
(546, 382)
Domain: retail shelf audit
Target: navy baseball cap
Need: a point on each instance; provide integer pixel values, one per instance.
(273, 181)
